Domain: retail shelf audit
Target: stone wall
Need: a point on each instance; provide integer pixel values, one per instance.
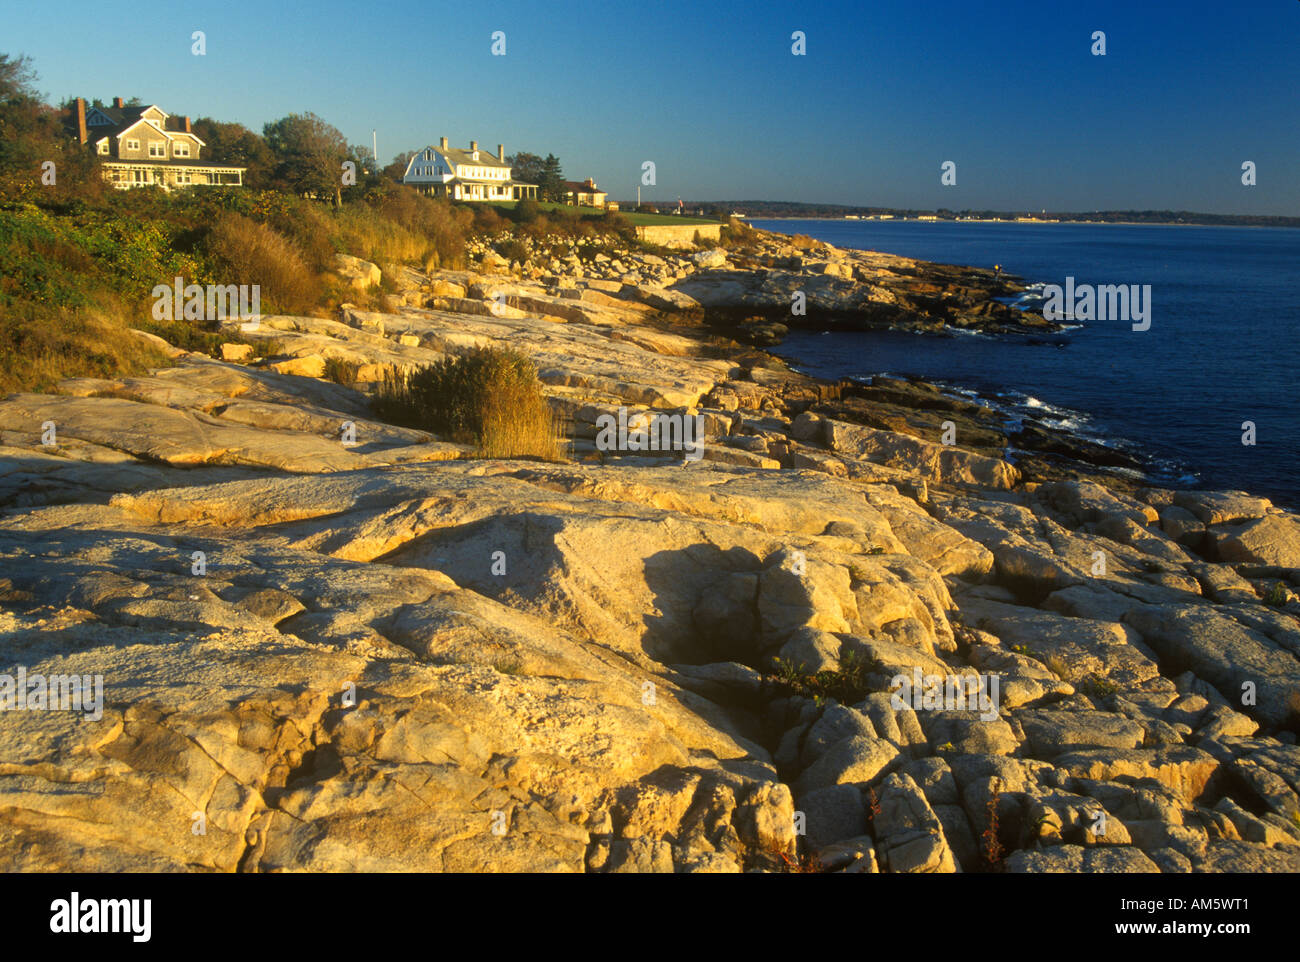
(675, 235)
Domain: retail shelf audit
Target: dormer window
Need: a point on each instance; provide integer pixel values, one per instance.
(181, 149)
(133, 145)
(157, 148)
(103, 147)
(476, 156)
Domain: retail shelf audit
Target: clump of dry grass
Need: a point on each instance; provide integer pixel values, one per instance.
(488, 397)
(341, 371)
(252, 253)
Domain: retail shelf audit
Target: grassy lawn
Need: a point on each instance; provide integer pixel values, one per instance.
(654, 220)
(640, 220)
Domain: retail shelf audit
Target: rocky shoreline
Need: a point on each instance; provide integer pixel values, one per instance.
(388, 655)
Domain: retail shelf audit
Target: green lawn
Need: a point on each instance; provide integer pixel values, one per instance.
(654, 220)
(640, 220)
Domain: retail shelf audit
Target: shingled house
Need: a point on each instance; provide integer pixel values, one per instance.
(584, 193)
(142, 146)
(471, 174)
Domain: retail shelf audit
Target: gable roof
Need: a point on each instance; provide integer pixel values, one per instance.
(455, 156)
(122, 119)
(459, 155)
(126, 129)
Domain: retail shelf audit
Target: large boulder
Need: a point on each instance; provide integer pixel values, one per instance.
(935, 462)
(359, 275)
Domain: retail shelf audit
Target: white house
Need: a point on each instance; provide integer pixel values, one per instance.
(471, 174)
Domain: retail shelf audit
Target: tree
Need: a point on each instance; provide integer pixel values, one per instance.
(236, 145)
(525, 167)
(367, 165)
(545, 173)
(397, 169)
(31, 133)
(16, 78)
(550, 183)
(309, 156)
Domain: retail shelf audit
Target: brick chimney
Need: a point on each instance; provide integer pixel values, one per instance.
(501, 153)
(473, 145)
(118, 103)
(187, 126)
(81, 120)
(442, 142)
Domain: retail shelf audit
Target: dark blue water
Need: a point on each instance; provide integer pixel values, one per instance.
(1221, 349)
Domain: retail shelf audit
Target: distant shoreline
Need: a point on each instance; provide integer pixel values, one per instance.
(1042, 223)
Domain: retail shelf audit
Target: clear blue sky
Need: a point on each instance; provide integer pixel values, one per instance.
(713, 95)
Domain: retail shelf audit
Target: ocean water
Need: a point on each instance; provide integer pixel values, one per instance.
(1223, 346)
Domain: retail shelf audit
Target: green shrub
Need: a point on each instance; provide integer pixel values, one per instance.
(847, 684)
(488, 397)
(1276, 595)
(527, 210)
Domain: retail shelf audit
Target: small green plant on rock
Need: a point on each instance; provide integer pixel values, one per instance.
(508, 665)
(1276, 595)
(847, 684)
(1096, 686)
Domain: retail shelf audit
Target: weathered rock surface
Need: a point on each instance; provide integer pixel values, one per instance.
(331, 644)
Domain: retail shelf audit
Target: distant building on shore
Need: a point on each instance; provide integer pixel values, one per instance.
(584, 193)
(471, 174)
(141, 146)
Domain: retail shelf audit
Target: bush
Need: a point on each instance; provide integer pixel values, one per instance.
(737, 236)
(513, 250)
(487, 220)
(527, 210)
(488, 397)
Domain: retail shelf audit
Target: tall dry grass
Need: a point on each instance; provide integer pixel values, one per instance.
(248, 252)
(488, 397)
(41, 345)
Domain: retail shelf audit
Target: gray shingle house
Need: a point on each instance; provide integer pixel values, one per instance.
(140, 146)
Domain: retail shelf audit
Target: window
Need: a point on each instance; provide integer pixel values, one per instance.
(181, 149)
(103, 147)
(133, 145)
(183, 177)
(157, 148)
